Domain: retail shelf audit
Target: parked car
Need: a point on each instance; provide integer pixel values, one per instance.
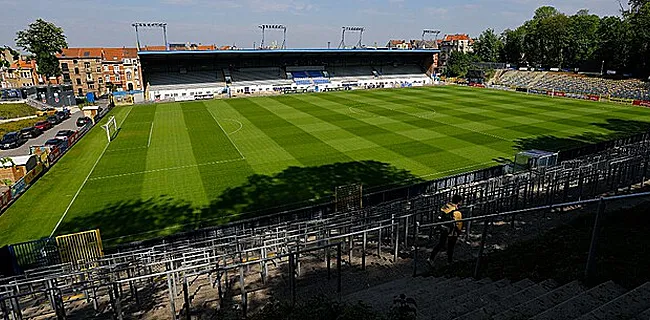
(64, 134)
(65, 114)
(31, 132)
(12, 140)
(82, 121)
(53, 120)
(53, 142)
(43, 125)
(46, 112)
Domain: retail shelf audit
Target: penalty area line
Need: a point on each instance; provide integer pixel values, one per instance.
(227, 135)
(86, 180)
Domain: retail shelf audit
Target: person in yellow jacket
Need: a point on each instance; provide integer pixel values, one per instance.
(449, 232)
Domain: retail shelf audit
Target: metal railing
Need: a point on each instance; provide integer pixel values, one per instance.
(487, 220)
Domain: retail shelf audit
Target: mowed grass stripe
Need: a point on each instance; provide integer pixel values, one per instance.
(263, 154)
(170, 162)
(421, 152)
(303, 146)
(211, 144)
(356, 147)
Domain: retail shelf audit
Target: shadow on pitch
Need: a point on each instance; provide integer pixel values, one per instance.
(295, 187)
(618, 129)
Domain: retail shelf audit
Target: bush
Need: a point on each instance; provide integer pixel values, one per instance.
(16, 110)
(17, 125)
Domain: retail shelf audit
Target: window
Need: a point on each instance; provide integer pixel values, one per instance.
(66, 77)
(117, 77)
(108, 78)
(74, 61)
(116, 68)
(106, 68)
(89, 77)
(64, 67)
(91, 86)
(99, 69)
(80, 91)
(87, 65)
(100, 80)
(128, 76)
(78, 81)
(76, 70)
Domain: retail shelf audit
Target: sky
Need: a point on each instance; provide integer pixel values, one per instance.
(310, 24)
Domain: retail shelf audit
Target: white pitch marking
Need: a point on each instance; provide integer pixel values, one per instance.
(457, 169)
(227, 136)
(166, 169)
(150, 132)
(241, 125)
(86, 180)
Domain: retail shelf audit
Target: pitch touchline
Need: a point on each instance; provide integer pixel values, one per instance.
(166, 169)
(86, 180)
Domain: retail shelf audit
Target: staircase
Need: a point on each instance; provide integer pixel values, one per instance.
(37, 104)
(469, 299)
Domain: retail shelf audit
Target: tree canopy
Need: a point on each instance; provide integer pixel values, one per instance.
(44, 40)
(552, 39)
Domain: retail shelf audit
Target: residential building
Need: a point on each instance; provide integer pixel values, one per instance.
(100, 70)
(121, 68)
(399, 44)
(82, 67)
(455, 43)
(21, 73)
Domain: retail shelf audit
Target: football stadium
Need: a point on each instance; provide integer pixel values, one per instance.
(259, 183)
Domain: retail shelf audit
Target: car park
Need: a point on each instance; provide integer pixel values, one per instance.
(46, 112)
(83, 121)
(53, 120)
(43, 125)
(64, 134)
(62, 115)
(12, 140)
(53, 142)
(31, 132)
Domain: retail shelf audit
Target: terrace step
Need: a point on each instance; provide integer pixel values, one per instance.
(627, 306)
(583, 303)
(542, 303)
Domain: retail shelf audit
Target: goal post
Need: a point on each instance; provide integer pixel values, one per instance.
(111, 128)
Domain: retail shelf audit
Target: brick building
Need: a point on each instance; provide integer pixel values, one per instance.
(100, 69)
(455, 43)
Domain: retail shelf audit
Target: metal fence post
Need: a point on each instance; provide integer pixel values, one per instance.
(415, 248)
(292, 285)
(477, 267)
(186, 297)
(591, 258)
(338, 268)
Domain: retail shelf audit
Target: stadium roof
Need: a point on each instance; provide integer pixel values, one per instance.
(290, 51)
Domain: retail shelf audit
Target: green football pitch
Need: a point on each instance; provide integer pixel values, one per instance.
(178, 166)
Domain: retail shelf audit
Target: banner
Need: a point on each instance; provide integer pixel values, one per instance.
(593, 97)
(32, 175)
(18, 187)
(5, 198)
(641, 103)
(621, 100)
(559, 94)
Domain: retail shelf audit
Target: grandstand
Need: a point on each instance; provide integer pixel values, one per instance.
(249, 261)
(180, 75)
(575, 84)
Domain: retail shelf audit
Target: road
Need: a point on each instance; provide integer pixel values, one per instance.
(68, 124)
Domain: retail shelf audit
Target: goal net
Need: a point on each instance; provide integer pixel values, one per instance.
(111, 128)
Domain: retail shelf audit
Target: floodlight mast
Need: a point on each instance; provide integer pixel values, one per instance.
(162, 25)
(434, 32)
(351, 29)
(282, 27)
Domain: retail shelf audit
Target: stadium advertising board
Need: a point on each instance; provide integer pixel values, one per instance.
(5, 198)
(641, 103)
(559, 94)
(18, 187)
(32, 175)
(593, 97)
(621, 100)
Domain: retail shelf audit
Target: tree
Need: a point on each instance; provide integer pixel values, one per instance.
(488, 46)
(613, 45)
(546, 37)
(583, 42)
(639, 21)
(458, 64)
(44, 40)
(513, 45)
